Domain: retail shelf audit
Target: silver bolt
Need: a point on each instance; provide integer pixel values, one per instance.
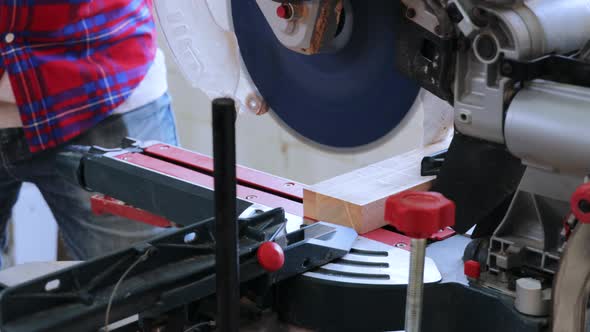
(415, 293)
(256, 104)
(251, 197)
(400, 245)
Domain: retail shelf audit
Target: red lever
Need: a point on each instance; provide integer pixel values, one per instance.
(270, 256)
(101, 204)
(580, 203)
(420, 214)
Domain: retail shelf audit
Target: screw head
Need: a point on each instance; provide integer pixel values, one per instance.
(256, 104)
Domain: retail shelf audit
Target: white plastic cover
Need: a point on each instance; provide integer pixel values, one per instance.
(204, 47)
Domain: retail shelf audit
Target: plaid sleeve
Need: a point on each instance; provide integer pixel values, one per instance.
(71, 63)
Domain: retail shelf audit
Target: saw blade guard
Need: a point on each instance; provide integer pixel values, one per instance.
(205, 49)
(208, 60)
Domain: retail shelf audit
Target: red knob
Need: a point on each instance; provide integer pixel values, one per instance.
(472, 269)
(285, 11)
(270, 256)
(580, 203)
(419, 214)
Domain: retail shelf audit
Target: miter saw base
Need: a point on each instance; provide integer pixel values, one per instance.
(362, 291)
(331, 302)
(332, 280)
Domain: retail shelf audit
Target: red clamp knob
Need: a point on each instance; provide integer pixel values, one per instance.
(270, 256)
(580, 203)
(472, 269)
(419, 214)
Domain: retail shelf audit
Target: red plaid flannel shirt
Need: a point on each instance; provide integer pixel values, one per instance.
(71, 63)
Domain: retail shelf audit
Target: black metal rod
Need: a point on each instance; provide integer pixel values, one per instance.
(226, 255)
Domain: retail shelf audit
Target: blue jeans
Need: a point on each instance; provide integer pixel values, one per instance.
(85, 235)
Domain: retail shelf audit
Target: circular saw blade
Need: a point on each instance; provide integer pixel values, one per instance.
(346, 99)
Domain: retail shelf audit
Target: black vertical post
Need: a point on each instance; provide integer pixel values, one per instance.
(226, 255)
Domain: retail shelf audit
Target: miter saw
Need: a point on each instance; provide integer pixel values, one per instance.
(343, 73)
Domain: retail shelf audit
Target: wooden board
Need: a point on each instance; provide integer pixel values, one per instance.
(357, 199)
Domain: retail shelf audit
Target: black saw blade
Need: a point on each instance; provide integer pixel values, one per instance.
(345, 99)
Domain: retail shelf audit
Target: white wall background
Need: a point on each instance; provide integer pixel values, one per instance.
(262, 144)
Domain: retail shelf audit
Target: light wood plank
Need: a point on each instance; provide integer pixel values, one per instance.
(357, 199)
